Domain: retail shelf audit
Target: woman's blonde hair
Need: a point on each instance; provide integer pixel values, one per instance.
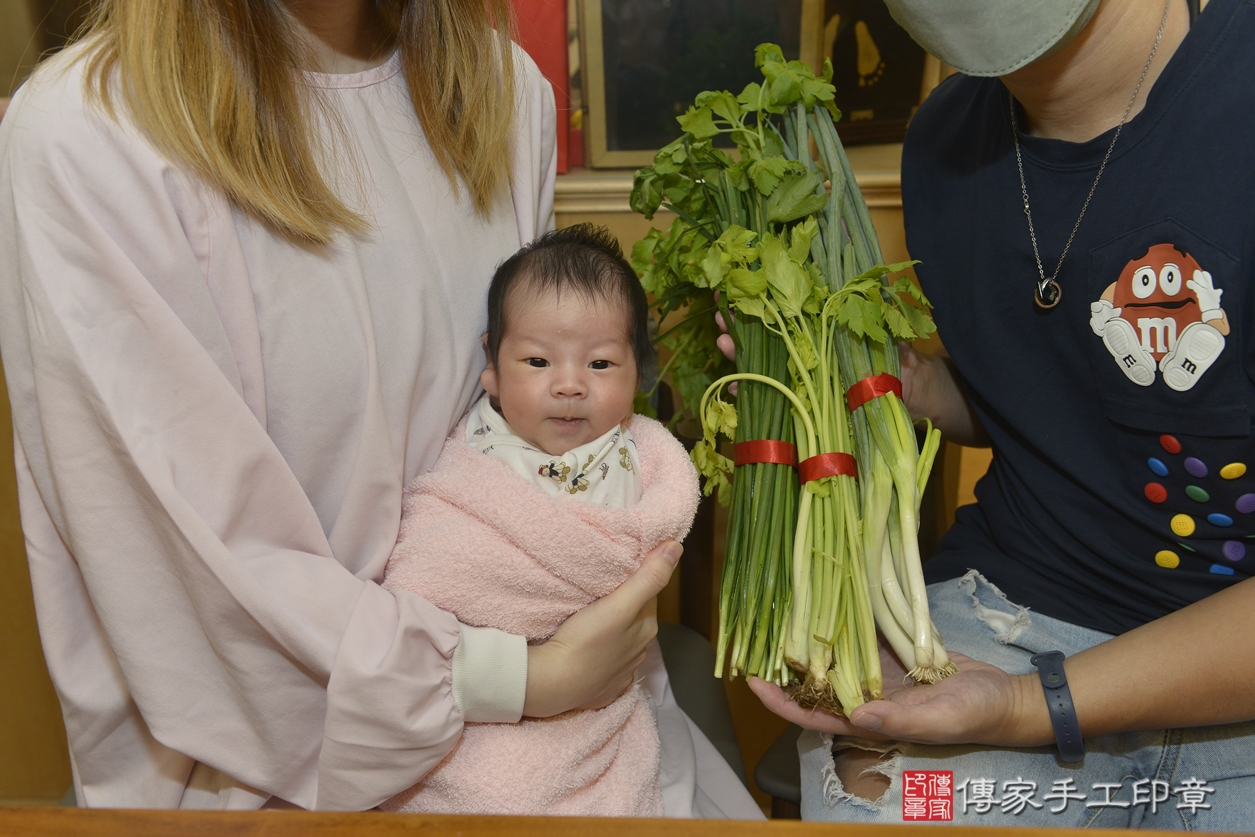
(215, 85)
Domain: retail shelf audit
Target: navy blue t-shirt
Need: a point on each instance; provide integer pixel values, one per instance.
(1122, 486)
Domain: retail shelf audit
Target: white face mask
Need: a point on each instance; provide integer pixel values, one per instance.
(991, 37)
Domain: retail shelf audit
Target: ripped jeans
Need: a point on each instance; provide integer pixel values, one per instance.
(1200, 779)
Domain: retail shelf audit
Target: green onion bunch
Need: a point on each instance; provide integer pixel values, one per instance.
(777, 237)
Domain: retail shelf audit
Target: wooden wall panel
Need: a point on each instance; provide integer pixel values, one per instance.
(34, 760)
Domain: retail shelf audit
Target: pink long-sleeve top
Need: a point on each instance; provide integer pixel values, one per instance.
(213, 429)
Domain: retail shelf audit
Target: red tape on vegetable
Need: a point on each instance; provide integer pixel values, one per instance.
(765, 450)
(826, 465)
(873, 387)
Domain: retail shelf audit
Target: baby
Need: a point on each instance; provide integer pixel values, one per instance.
(545, 499)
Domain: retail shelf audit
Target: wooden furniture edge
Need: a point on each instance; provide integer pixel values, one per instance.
(74, 822)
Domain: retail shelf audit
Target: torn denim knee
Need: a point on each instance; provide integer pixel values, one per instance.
(1007, 619)
(834, 792)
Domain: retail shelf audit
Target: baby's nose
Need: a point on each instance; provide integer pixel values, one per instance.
(571, 384)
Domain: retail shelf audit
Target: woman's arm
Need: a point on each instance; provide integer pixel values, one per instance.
(1185, 669)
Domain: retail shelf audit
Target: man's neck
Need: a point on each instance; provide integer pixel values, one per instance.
(1082, 91)
(342, 36)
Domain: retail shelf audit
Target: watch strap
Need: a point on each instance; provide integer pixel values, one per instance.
(1059, 701)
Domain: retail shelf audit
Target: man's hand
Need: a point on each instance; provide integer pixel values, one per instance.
(931, 390)
(593, 657)
(724, 341)
(981, 704)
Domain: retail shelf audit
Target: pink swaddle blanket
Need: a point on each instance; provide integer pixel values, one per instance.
(479, 541)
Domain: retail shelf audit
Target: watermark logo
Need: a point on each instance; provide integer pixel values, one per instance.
(933, 795)
(927, 796)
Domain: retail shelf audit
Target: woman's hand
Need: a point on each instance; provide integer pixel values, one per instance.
(593, 657)
(981, 704)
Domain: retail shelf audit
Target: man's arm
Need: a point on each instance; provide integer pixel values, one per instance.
(1188, 668)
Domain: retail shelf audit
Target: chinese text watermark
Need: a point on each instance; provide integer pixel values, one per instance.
(933, 795)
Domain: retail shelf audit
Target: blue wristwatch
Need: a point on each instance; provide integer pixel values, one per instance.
(1059, 701)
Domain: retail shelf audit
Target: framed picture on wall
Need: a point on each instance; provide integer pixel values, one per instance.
(644, 61)
(879, 73)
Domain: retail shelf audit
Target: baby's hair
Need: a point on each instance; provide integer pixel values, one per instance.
(583, 258)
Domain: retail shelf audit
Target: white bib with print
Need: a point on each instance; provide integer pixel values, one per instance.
(605, 471)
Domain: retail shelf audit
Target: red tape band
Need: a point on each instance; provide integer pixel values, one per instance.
(765, 450)
(826, 465)
(873, 387)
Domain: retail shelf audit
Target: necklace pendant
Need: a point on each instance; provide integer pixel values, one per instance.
(1047, 295)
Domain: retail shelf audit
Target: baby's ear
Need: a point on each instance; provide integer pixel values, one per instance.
(488, 378)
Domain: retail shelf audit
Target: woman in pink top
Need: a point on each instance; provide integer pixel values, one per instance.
(244, 249)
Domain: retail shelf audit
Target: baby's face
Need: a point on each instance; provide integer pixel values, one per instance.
(565, 371)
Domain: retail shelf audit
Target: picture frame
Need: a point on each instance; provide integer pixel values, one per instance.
(638, 72)
(644, 61)
(880, 73)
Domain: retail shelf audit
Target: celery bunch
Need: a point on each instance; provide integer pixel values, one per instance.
(778, 237)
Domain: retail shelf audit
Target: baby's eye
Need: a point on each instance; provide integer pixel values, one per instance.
(599, 364)
(538, 362)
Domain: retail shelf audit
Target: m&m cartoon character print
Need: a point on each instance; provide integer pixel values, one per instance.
(1162, 315)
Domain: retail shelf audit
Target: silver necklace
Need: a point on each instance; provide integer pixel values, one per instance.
(1046, 292)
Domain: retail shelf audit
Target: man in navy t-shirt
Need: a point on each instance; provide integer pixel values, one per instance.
(1117, 388)
(1120, 419)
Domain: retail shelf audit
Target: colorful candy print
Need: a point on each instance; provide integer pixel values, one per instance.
(1167, 559)
(1183, 525)
(1233, 470)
